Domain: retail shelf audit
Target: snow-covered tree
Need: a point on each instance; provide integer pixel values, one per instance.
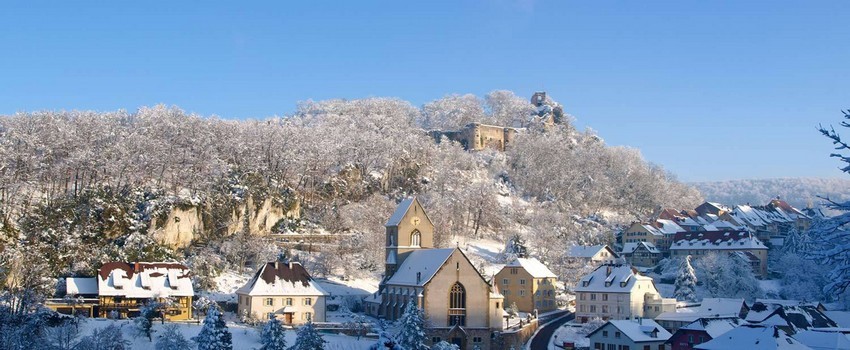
(144, 322)
(385, 342)
(515, 248)
(411, 335)
(308, 338)
(512, 310)
(686, 282)
(833, 234)
(725, 276)
(106, 338)
(214, 335)
(273, 335)
(171, 339)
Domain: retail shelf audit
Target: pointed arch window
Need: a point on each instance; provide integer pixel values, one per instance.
(415, 239)
(457, 305)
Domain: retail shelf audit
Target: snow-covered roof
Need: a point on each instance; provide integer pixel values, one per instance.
(630, 247)
(399, 212)
(842, 318)
(641, 330)
(753, 337)
(81, 286)
(823, 340)
(424, 262)
(611, 278)
(668, 227)
(714, 326)
(585, 251)
(709, 308)
(534, 267)
(716, 240)
(800, 316)
(144, 280)
(281, 279)
(748, 215)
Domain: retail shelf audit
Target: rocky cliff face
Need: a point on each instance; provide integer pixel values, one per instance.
(183, 224)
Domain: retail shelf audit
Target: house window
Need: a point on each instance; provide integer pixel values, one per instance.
(269, 301)
(308, 301)
(592, 296)
(476, 340)
(308, 316)
(457, 305)
(436, 340)
(592, 308)
(604, 309)
(522, 282)
(605, 333)
(604, 297)
(690, 338)
(616, 334)
(505, 281)
(522, 292)
(513, 271)
(581, 296)
(415, 238)
(288, 301)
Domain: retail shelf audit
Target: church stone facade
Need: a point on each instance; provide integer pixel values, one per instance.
(458, 302)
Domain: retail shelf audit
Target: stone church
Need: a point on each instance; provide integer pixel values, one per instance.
(459, 304)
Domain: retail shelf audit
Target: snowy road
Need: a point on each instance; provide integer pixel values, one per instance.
(540, 341)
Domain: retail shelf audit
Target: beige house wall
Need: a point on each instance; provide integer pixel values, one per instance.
(436, 294)
(256, 305)
(526, 295)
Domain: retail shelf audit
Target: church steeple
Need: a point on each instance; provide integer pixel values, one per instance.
(408, 229)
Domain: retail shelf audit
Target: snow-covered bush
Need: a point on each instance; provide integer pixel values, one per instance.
(106, 338)
(308, 338)
(411, 335)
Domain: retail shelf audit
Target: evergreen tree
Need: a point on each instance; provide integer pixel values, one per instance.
(686, 281)
(308, 338)
(515, 248)
(273, 335)
(144, 322)
(412, 333)
(172, 339)
(214, 334)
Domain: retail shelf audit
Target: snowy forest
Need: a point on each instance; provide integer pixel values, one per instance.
(799, 192)
(80, 188)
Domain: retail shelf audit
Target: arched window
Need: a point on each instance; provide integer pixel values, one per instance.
(415, 238)
(457, 305)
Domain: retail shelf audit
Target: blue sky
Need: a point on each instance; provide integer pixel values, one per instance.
(708, 89)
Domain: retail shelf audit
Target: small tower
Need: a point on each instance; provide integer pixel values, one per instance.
(408, 229)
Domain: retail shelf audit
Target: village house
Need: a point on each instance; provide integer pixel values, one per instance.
(659, 232)
(643, 254)
(593, 254)
(701, 331)
(709, 308)
(749, 336)
(712, 208)
(617, 291)
(789, 316)
(529, 284)
(639, 334)
(283, 290)
(740, 243)
(123, 288)
(459, 303)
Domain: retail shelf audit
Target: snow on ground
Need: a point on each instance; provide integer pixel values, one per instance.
(570, 332)
(358, 287)
(227, 283)
(244, 337)
(483, 253)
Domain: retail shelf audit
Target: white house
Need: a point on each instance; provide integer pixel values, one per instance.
(629, 334)
(592, 253)
(283, 290)
(617, 291)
